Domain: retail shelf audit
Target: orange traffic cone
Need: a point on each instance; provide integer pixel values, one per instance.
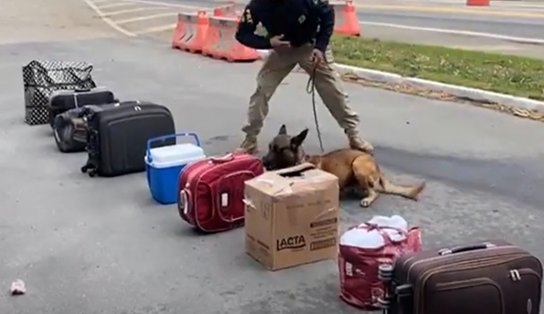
(481, 3)
(191, 30)
(222, 44)
(178, 33)
(347, 22)
(228, 10)
(213, 39)
(196, 43)
(235, 50)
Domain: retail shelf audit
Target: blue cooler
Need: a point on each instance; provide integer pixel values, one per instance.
(164, 165)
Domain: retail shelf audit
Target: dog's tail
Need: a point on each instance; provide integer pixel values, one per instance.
(408, 191)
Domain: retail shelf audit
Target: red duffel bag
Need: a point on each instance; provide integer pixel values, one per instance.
(363, 248)
(211, 191)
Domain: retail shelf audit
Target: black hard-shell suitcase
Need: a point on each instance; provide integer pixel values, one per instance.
(117, 136)
(70, 131)
(490, 277)
(63, 100)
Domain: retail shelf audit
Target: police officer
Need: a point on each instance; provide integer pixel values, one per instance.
(297, 32)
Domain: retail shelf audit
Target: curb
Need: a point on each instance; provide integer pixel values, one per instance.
(462, 92)
(473, 94)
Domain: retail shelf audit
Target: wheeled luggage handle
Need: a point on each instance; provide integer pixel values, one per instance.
(460, 249)
(165, 137)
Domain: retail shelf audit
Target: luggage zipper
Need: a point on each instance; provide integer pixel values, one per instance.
(442, 286)
(517, 274)
(514, 275)
(446, 256)
(197, 183)
(220, 212)
(427, 274)
(407, 261)
(527, 271)
(445, 286)
(467, 265)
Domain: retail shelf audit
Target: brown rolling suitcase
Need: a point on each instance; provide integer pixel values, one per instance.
(492, 277)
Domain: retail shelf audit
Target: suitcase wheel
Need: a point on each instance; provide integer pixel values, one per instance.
(84, 169)
(383, 303)
(403, 290)
(385, 272)
(92, 173)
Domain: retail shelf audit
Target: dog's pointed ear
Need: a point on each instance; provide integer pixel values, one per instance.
(283, 130)
(297, 140)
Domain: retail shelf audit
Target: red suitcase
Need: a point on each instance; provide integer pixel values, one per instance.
(211, 191)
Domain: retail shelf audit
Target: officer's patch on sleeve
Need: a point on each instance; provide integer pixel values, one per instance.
(260, 30)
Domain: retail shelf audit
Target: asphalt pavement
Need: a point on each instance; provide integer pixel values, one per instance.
(101, 245)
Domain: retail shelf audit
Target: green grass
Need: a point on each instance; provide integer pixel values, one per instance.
(494, 72)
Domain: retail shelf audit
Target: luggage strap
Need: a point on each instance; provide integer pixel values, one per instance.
(381, 230)
(76, 103)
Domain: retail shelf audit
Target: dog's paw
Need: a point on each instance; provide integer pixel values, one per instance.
(365, 203)
(417, 191)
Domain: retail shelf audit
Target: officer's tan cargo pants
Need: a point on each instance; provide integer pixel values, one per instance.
(327, 83)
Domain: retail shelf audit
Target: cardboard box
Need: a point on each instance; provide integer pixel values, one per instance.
(291, 216)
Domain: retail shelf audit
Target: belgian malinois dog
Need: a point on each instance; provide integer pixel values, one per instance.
(352, 167)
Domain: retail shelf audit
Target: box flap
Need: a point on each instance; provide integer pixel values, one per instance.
(296, 179)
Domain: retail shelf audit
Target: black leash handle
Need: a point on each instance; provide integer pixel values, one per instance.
(310, 89)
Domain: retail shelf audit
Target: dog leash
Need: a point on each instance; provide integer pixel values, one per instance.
(310, 89)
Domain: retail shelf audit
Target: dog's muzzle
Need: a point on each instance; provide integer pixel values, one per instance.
(268, 162)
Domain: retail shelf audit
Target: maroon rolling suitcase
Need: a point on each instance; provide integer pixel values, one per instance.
(212, 191)
(493, 277)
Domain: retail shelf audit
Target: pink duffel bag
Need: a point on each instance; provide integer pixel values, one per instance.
(363, 249)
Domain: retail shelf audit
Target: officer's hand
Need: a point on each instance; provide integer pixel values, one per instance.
(317, 56)
(276, 42)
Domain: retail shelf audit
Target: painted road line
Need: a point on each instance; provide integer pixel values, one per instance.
(143, 18)
(156, 29)
(534, 41)
(109, 14)
(166, 4)
(108, 20)
(514, 4)
(494, 4)
(114, 5)
(441, 9)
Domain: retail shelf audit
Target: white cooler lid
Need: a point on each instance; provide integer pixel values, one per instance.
(175, 155)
